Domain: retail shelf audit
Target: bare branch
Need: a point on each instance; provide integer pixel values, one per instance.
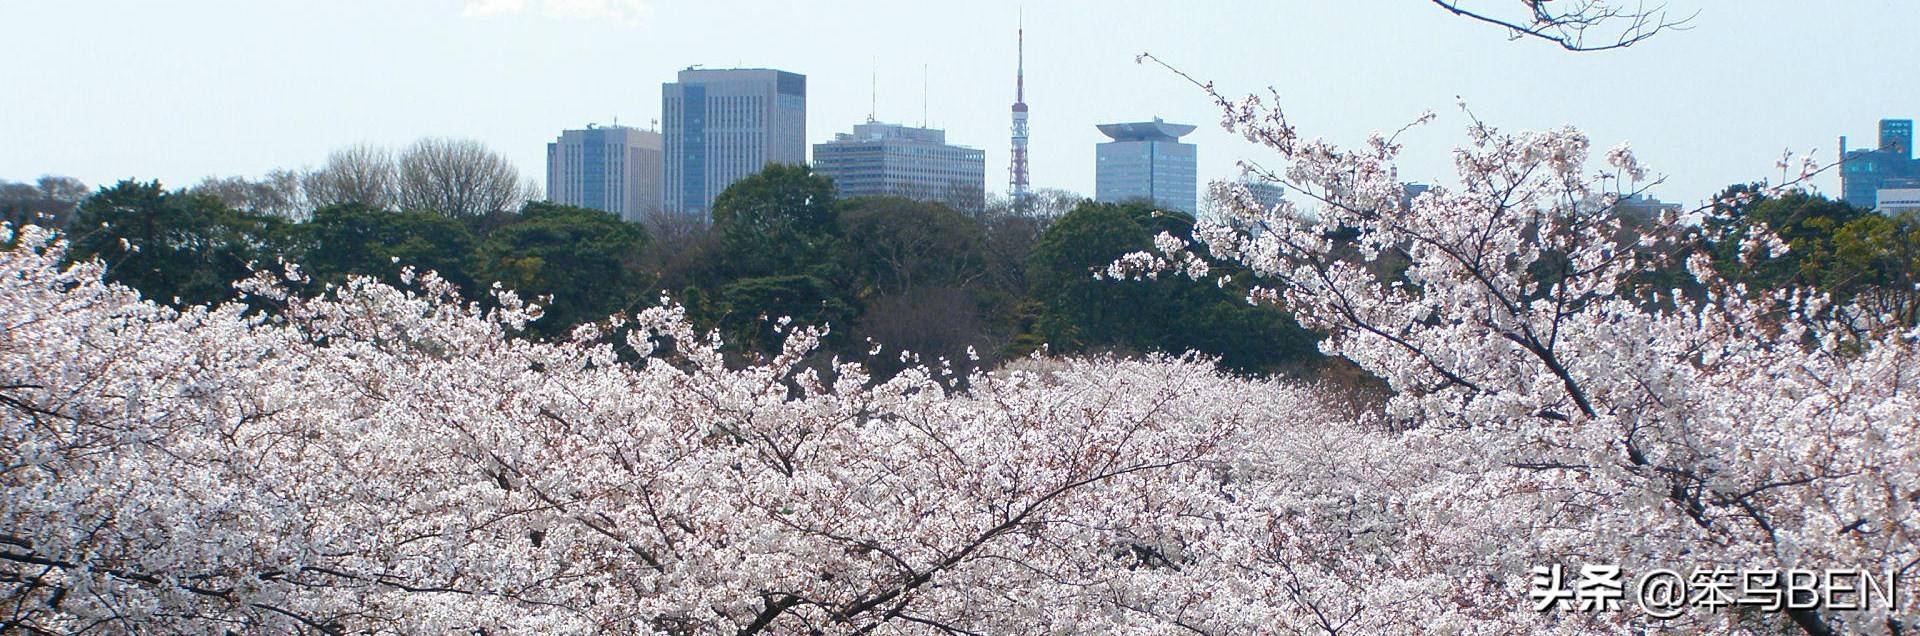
(1577, 25)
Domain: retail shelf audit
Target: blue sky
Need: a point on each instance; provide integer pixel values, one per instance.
(108, 89)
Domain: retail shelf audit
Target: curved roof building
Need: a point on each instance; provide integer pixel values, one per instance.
(1146, 161)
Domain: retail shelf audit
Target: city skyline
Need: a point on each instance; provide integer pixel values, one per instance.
(447, 69)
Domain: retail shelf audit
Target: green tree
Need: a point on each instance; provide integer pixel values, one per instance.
(747, 311)
(1875, 263)
(351, 239)
(778, 222)
(898, 244)
(174, 247)
(1077, 312)
(1807, 223)
(580, 265)
(923, 279)
(1859, 258)
(774, 251)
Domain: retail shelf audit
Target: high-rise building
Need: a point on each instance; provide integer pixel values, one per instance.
(1225, 204)
(1411, 191)
(1863, 173)
(1146, 160)
(1640, 210)
(724, 124)
(891, 159)
(1266, 193)
(610, 168)
(1896, 136)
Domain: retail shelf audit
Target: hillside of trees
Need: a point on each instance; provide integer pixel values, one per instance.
(973, 287)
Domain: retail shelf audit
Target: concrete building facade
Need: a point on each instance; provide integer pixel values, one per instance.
(881, 159)
(1147, 161)
(720, 125)
(1892, 201)
(610, 168)
(1890, 166)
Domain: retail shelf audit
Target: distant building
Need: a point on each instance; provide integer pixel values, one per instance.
(891, 159)
(1267, 193)
(1896, 136)
(1019, 182)
(612, 168)
(1147, 161)
(1640, 210)
(1891, 166)
(725, 124)
(1411, 191)
(1897, 200)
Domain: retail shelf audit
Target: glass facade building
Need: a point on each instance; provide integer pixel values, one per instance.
(1864, 173)
(880, 159)
(614, 168)
(720, 125)
(1147, 161)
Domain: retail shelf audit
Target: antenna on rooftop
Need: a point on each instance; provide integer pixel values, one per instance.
(873, 91)
(1018, 186)
(923, 95)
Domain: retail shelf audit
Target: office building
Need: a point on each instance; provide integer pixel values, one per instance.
(1266, 194)
(1891, 166)
(724, 124)
(610, 168)
(1892, 201)
(890, 159)
(1147, 161)
(1411, 191)
(1640, 210)
(1223, 200)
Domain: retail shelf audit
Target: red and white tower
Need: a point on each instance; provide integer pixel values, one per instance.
(1017, 186)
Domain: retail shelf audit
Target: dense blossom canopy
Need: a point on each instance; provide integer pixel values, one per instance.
(393, 460)
(1561, 417)
(390, 460)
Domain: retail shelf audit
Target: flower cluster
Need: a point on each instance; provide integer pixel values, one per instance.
(1551, 413)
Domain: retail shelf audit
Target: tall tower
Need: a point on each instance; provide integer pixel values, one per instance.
(1017, 186)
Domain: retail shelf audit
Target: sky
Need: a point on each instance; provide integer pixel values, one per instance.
(177, 91)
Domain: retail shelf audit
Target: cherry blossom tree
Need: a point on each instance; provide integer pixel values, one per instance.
(381, 459)
(1548, 416)
(390, 460)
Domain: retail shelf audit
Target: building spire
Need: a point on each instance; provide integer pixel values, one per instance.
(1018, 184)
(1020, 68)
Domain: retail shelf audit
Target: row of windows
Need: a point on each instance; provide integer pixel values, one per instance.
(617, 178)
(736, 135)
